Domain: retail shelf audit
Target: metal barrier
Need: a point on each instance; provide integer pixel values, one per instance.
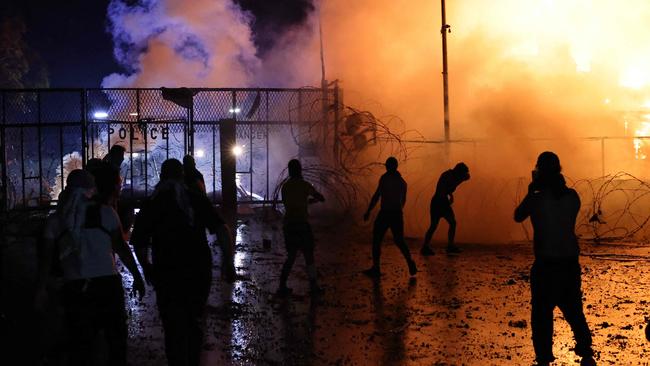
(45, 133)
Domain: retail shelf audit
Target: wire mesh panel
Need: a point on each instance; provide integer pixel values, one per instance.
(41, 143)
(47, 133)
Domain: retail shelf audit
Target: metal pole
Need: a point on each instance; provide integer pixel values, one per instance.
(445, 76)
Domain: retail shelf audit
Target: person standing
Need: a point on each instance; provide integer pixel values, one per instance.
(193, 177)
(297, 194)
(555, 278)
(81, 237)
(440, 207)
(392, 191)
(173, 223)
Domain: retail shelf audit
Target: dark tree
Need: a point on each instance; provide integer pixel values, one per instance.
(20, 65)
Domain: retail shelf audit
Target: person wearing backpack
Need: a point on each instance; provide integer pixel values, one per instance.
(173, 224)
(81, 236)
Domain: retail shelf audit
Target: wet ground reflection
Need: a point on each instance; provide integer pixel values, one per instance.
(470, 309)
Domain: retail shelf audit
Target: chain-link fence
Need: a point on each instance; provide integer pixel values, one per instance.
(46, 133)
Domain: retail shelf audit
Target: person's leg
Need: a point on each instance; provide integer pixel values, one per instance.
(397, 228)
(451, 234)
(173, 315)
(379, 229)
(81, 331)
(114, 319)
(570, 302)
(291, 241)
(541, 314)
(195, 317)
(435, 219)
(307, 239)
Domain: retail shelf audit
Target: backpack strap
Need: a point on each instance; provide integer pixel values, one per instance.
(94, 218)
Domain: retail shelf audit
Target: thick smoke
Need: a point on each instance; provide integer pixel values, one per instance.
(179, 43)
(525, 76)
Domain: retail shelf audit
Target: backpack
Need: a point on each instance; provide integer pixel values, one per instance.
(71, 248)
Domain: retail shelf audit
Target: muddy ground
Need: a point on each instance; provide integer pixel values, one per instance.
(470, 309)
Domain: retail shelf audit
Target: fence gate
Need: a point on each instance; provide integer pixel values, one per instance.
(46, 133)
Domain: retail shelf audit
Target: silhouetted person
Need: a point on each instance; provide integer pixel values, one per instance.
(440, 207)
(392, 191)
(193, 177)
(555, 278)
(107, 180)
(81, 237)
(173, 224)
(114, 159)
(297, 194)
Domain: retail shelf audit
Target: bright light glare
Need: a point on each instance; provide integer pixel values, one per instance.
(237, 150)
(135, 155)
(234, 110)
(100, 114)
(199, 153)
(133, 114)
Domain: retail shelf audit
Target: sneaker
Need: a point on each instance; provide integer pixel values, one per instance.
(284, 291)
(453, 249)
(427, 251)
(372, 272)
(587, 361)
(412, 268)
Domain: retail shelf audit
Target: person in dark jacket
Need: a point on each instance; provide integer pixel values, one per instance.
(392, 191)
(555, 278)
(173, 224)
(440, 207)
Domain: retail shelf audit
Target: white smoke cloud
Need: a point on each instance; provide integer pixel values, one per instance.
(179, 43)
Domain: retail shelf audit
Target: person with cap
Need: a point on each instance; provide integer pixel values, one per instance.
(80, 237)
(172, 223)
(392, 192)
(555, 277)
(297, 194)
(440, 207)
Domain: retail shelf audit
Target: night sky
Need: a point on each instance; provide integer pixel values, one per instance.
(71, 36)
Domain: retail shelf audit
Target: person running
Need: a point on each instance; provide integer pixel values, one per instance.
(193, 177)
(440, 207)
(555, 277)
(81, 236)
(173, 224)
(297, 194)
(392, 191)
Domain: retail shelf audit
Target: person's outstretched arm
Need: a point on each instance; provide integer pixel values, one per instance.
(373, 201)
(126, 256)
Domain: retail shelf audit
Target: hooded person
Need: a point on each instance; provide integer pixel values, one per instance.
(440, 207)
(172, 224)
(81, 236)
(555, 278)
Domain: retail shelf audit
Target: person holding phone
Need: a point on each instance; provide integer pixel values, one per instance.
(555, 278)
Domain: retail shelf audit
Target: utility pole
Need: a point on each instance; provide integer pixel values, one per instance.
(445, 76)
